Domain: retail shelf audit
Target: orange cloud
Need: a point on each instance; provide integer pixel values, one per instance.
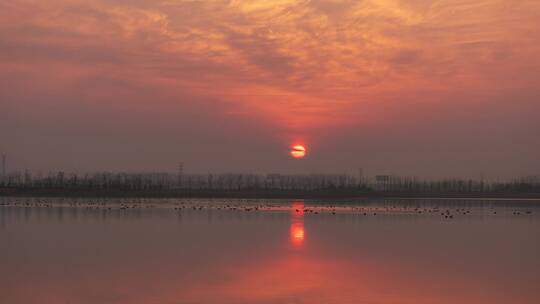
(299, 64)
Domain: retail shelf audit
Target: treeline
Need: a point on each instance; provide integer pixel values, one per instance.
(185, 184)
(530, 184)
(167, 181)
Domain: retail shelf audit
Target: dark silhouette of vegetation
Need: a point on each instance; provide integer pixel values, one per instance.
(253, 185)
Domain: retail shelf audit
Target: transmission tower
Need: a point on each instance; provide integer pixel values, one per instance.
(180, 173)
(3, 167)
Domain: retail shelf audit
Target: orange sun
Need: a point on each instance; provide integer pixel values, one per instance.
(298, 151)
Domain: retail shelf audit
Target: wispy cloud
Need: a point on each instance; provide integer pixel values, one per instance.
(301, 65)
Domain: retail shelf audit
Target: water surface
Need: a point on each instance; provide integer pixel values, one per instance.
(269, 251)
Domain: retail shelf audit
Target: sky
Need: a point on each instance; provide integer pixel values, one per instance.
(447, 88)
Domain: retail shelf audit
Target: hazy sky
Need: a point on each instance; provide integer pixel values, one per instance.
(411, 87)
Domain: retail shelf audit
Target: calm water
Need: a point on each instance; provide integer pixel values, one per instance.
(263, 251)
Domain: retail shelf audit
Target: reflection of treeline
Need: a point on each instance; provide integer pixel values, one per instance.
(219, 184)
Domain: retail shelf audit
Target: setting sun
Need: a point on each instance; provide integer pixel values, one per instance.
(298, 151)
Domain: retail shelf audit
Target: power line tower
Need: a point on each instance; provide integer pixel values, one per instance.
(3, 167)
(180, 173)
(361, 176)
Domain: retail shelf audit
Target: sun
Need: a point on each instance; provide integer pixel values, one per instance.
(298, 151)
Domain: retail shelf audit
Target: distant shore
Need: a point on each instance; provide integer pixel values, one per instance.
(257, 194)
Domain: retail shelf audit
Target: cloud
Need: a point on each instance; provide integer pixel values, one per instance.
(298, 66)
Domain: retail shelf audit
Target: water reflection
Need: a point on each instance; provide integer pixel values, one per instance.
(231, 253)
(297, 233)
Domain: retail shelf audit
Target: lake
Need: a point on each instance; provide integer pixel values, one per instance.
(64, 250)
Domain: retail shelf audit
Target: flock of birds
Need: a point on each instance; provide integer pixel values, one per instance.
(296, 208)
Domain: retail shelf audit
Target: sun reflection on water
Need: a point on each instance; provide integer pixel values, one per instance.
(297, 233)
